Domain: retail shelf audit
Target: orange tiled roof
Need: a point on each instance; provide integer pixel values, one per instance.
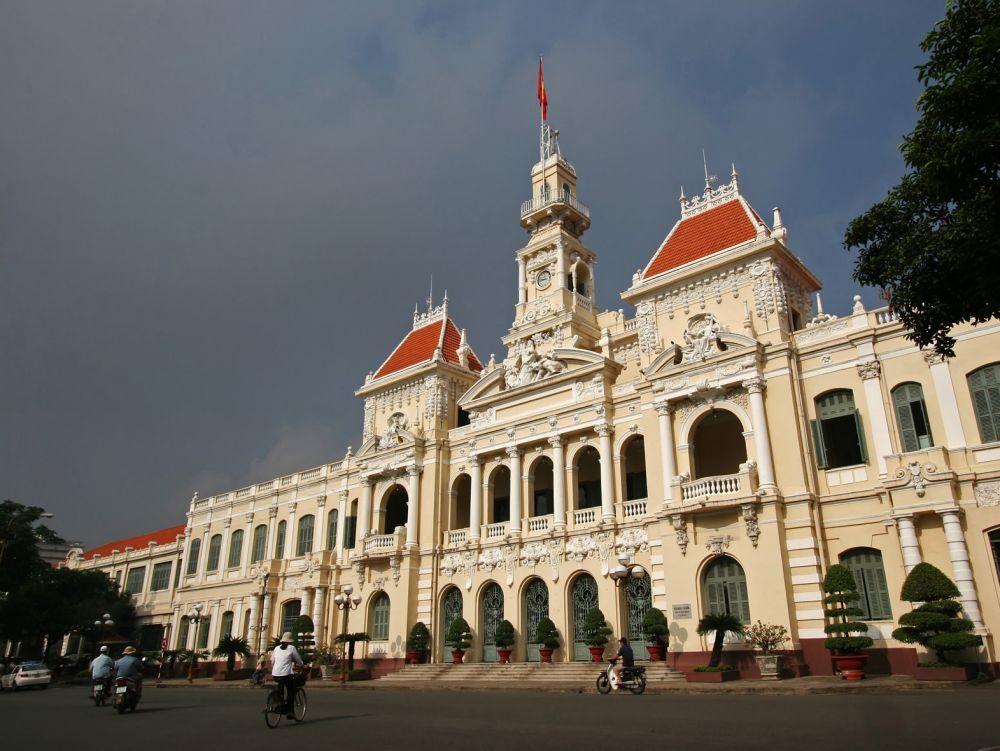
(702, 235)
(160, 537)
(420, 344)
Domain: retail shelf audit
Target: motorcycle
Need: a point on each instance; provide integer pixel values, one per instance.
(100, 690)
(633, 678)
(126, 696)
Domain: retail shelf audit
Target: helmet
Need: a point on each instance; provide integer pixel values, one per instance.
(104, 649)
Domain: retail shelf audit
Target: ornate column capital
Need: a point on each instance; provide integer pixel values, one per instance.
(343, 495)
(604, 429)
(272, 512)
(933, 358)
(413, 470)
(248, 517)
(227, 522)
(755, 384)
(557, 442)
(514, 452)
(869, 370)
(664, 408)
(292, 506)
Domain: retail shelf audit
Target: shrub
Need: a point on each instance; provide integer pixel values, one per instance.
(595, 628)
(936, 623)
(232, 647)
(721, 624)
(504, 635)
(546, 634)
(459, 634)
(766, 636)
(841, 594)
(654, 626)
(720, 668)
(419, 637)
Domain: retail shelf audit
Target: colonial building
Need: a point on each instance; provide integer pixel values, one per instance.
(727, 437)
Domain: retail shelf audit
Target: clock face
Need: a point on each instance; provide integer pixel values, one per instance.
(543, 279)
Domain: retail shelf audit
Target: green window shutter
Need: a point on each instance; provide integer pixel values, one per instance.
(235, 549)
(861, 436)
(716, 598)
(214, 548)
(904, 416)
(879, 595)
(279, 541)
(192, 567)
(331, 530)
(739, 600)
(820, 449)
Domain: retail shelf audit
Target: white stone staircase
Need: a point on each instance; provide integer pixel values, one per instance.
(583, 674)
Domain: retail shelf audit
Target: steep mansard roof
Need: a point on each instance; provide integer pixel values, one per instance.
(160, 537)
(420, 345)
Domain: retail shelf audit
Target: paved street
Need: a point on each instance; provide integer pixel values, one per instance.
(175, 719)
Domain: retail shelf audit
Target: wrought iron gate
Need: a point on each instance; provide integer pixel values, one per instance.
(536, 607)
(584, 599)
(492, 615)
(638, 601)
(451, 608)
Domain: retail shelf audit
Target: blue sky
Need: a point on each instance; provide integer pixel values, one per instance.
(217, 217)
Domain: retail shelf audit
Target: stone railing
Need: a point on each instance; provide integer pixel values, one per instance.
(385, 544)
(497, 530)
(633, 509)
(456, 536)
(539, 523)
(585, 516)
(721, 488)
(540, 202)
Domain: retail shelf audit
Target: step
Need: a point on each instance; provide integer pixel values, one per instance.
(518, 673)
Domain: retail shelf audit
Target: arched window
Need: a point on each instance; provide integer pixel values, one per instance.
(719, 445)
(500, 490)
(304, 539)
(331, 530)
(451, 608)
(984, 384)
(203, 628)
(235, 549)
(542, 481)
(192, 567)
(726, 589)
(837, 433)
(182, 633)
(869, 573)
(214, 548)
(226, 624)
(588, 484)
(635, 469)
(279, 540)
(995, 546)
(911, 414)
(395, 509)
(380, 617)
(289, 614)
(259, 543)
(462, 494)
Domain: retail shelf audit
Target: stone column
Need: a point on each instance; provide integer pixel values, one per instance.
(265, 623)
(871, 373)
(227, 538)
(272, 514)
(186, 555)
(203, 553)
(175, 623)
(668, 464)
(962, 571)
(514, 454)
(908, 542)
(341, 524)
(247, 544)
(319, 539)
(291, 533)
(607, 473)
(253, 636)
(213, 626)
(944, 392)
(307, 602)
(558, 482)
(319, 615)
(761, 440)
(364, 523)
(413, 508)
(476, 502)
(522, 282)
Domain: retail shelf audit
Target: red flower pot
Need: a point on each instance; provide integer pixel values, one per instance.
(596, 654)
(456, 656)
(657, 653)
(545, 654)
(504, 655)
(851, 667)
(413, 657)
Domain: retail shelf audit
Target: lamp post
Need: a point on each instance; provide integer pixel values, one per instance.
(621, 573)
(195, 616)
(102, 623)
(10, 525)
(346, 602)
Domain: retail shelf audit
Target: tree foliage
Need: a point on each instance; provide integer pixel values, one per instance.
(547, 634)
(459, 634)
(419, 637)
(935, 239)
(595, 628)
(935, 623)
(19, 537)
(721, 624)
(841, 594)
(655, 627)
(232, 647)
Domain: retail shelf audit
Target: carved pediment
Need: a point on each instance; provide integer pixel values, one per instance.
(720, 345)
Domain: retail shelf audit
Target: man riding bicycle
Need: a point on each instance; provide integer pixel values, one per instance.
(285, 656)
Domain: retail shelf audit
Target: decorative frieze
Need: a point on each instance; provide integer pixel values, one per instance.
(680, 532)
(645, 318)
(916, 474)
(750, 520)
(718, 544)
(869, 370)
(632, 541)
(988, 493)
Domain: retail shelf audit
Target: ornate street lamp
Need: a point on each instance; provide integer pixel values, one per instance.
(344, 601)
(621, 574)
(195, 616)
(103, 623)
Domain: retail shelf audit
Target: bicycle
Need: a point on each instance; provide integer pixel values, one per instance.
(275, 707)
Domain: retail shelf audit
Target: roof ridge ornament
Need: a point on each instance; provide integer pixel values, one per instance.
(712, 197)
(432, 315)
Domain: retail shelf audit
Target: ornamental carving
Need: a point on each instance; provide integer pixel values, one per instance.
(916, 474)
(578, 548)
(588, 389)
(988, 493)
(478, 419)
(451, 564)
(605, 544)
(755, 385)
(542, 258)
(701, 338)
(763, 290)
(933, 358)
(435, 398)
(527, 365)
(718, 544)
(632, 541)
(750, 520)
(395, 564)
(869, 370)
(680, 532)
(396, 424)
(645, 320)
(359, 569)
(822, 330)
(555, 556)
(509, 562)
(533, 553)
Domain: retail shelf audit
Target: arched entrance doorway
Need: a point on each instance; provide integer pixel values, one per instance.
(719, 445)
(583, 597)
(491, 615)
(451, 608)
(638, 601)
(536, 607)
(395, 509)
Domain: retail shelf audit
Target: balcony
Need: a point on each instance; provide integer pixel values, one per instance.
(721, 490)
(539, 203)
(385, 545)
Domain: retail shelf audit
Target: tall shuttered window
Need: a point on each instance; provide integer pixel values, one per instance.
(726, 589)
(304, 542)
(135, 579)
(869, 573)
(331, 530)
(380, 618)
(161, 577)
(911, 416)
(235, 549)
(995, 547)
(984, 384)
(279, 541)
(192, 568)
(838, 436)
(226, 624)
(350, 525)
(259, 543)
(182, 633)
(289, 614)
(214, 549)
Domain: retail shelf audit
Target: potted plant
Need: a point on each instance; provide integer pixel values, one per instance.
(767, 637)
(230, 647)
(416, 643)
(595, 633)
(546, 635)
(459, 638)
(720, 624)
(655, 630)
(504, 638)
(845, 640)
(326, 657)
(935, 624)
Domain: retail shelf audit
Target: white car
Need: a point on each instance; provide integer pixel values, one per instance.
(25, 675)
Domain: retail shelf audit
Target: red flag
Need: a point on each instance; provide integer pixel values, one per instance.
(543, 98)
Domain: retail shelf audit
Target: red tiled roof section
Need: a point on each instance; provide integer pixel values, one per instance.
(419, 345)
(160, 537)
(701, 235)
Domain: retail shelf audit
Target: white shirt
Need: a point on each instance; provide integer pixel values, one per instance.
(283, 657)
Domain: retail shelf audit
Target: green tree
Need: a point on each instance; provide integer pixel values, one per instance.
(935, 623)
(19, 537)
(721, 624)
(935, 239)
(351, 640)
(841, 595)
(655, 627)
(595, 628)
(546, 633)
(459, 634)
(232, 647)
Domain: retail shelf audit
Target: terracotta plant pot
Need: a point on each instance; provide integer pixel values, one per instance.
(851, 667)
(657, 652)
(504, 655)
(413, 657)
(596, 654)
(456, 656)
(545, 654)
(714, 676)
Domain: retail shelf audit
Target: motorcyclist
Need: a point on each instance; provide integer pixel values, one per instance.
(625, 660)
(129, 666)
(284, 656)
(102, 667)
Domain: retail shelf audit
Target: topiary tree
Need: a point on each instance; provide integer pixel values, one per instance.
(459, 635)
(504, 635)
(419, 637)
(595, 628)
(841, 593)
(936, 623)
(546, 634)
(305, 640)
(721, 624)
(654, 626)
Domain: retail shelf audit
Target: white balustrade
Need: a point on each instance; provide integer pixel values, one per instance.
(310, 474)
(539, 523)
(457, 536)
(497, 530)
(713, 487)
(380, 542)
(888, 315)
(244, 492)
(632, 509)
(265, 485)
(585, 516)
(287, 480)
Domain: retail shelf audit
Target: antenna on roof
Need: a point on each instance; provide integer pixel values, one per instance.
(430, 297)
(709, 179)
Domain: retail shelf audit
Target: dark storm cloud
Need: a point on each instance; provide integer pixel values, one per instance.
(215, 218)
